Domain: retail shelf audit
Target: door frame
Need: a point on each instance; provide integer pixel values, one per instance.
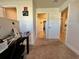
(65, 24)
(37, 20)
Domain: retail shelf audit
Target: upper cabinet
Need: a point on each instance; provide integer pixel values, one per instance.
(10, 12)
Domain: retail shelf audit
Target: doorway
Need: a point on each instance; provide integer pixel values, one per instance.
(10, 12)
(64, 16)
(41, 25)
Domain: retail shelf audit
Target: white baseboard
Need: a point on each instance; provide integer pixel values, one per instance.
(52, 38)
(73, 49)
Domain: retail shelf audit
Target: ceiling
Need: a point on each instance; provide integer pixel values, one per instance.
(48, 3)
(44, 3)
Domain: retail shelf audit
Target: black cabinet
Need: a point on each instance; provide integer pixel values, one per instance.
(13, 52)
(16, 50)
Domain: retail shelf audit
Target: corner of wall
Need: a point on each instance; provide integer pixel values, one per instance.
(72, 48)
(65, 5)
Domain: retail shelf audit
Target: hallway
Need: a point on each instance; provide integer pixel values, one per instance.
(51, 49)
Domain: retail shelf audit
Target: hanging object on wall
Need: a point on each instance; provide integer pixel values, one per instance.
(55, 1)
(25, 11)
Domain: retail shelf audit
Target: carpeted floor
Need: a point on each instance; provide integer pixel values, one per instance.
(51, 49)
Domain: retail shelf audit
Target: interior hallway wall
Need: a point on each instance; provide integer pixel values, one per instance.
(53, 16)
(25, 22)
(73, 26)
(72, 37)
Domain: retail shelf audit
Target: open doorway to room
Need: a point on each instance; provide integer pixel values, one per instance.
(10, 12)
(41, 25)
(63, 27)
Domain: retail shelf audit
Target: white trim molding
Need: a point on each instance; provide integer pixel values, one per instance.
(72, 48)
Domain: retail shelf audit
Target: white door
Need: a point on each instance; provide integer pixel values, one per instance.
(52, 29)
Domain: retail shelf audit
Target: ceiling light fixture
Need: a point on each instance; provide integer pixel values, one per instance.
(54, 0)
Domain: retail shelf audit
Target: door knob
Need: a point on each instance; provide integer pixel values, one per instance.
(65, 25)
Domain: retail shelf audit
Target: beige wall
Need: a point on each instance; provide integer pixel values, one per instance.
(72, 37)
(25, 22)
(34, 20)
(73, 26)
(53, 16)
(65, 5)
